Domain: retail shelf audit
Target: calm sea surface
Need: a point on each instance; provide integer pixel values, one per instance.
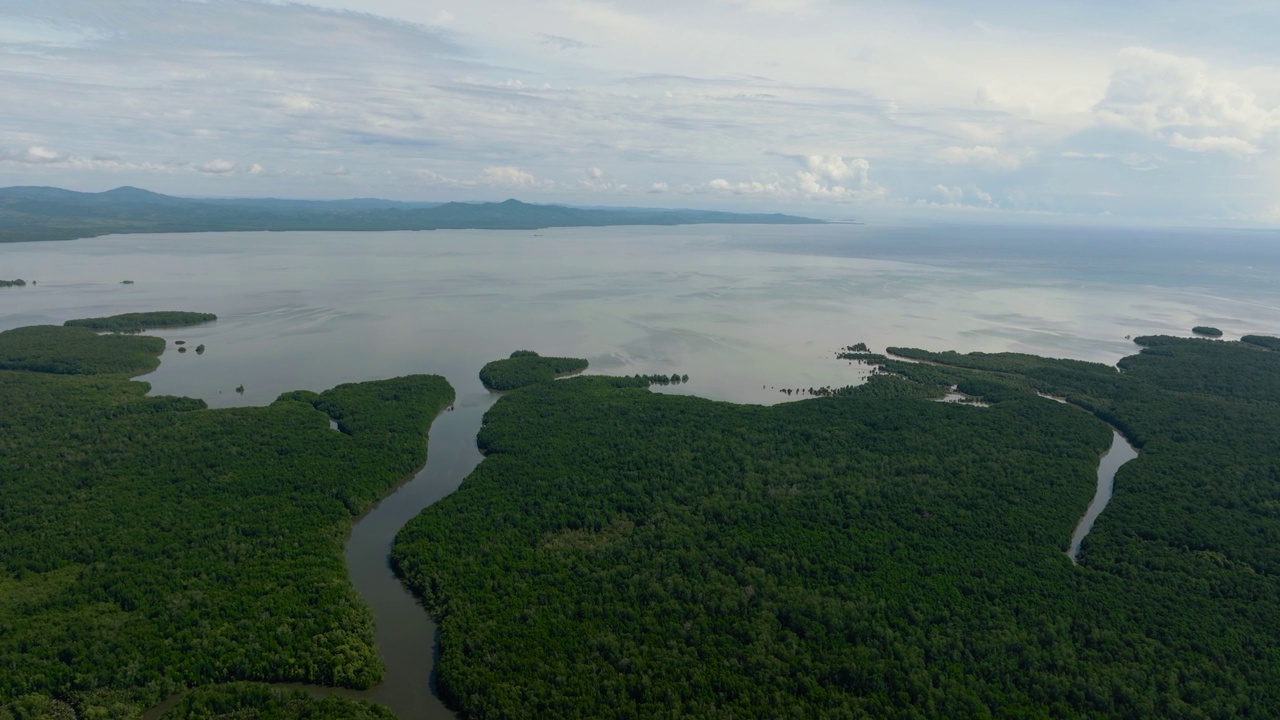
(734, 307)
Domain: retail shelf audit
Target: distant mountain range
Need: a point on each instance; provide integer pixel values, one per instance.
(45, 213)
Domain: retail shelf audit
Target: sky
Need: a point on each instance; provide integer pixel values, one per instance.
(1161, 112)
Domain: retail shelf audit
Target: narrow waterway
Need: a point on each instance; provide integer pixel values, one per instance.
(1120, 453)
(405, 633)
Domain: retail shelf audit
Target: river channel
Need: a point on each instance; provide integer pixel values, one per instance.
(1120, 453)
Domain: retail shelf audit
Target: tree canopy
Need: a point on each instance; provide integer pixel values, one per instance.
(151, 544)
(871, 554)
(526, 367)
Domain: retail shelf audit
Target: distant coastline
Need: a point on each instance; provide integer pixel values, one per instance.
(44, 213)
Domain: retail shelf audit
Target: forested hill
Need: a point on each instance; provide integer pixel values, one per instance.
(44, 213)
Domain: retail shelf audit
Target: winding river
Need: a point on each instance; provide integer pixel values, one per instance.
(405, 634)
(1120, 453)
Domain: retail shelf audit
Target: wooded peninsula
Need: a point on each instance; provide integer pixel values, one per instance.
(628, 554)
(151, 544)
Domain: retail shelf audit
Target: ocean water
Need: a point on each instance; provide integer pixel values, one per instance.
(743, 310)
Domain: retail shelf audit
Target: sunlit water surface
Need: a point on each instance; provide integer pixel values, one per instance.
(734, 307)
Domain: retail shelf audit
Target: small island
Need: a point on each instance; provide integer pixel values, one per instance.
(13, 283)
(526, 367)
(137, 322)
(1206, 331)
(200, 349)
(126, 282)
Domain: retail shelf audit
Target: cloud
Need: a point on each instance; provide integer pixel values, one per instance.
(511, 177)
(34, 155)
(984, 156)
(596, 180)
(217, 167)
(1182, 101)
(949, 196)
(824, 178)
(508, 100)
(1214, 143)
(831, 177)
(562, 42)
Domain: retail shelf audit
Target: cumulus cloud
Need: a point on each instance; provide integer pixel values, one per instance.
(831, 177)
(823, 177)
(950, 196)
(1182, 101)
(217, 167)
(983, 156)
(508, 177)
(659, 187)
(34, 155)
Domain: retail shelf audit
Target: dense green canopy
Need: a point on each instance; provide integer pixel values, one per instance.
(253, 701)
(526, 367)
(874, 554)
(150, 544)
(137, 322)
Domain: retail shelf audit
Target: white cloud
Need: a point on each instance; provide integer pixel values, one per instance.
(951, 196)
(511, 99)
(511, 177)
(831, 177)
(217, 167)
(984, 156)
(34, 155)
(1186, 103)
(596, 180)
(824, 178)
(1214, 143)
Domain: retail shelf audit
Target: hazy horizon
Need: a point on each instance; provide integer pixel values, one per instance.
(997, 111)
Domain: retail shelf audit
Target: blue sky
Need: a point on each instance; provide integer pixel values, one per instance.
(1149, 112)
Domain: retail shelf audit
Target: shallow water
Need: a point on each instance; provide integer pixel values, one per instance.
(734, 307)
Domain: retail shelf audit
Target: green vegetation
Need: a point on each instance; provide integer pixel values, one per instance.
(43, 213)
(526, 367)
(1262, 341)
(77, 351)
(200, 349)
(137, 322)
(659, 379)
(150, 544)
(1207, 331)
(13, 283)
(253, 701)
(629, 554)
